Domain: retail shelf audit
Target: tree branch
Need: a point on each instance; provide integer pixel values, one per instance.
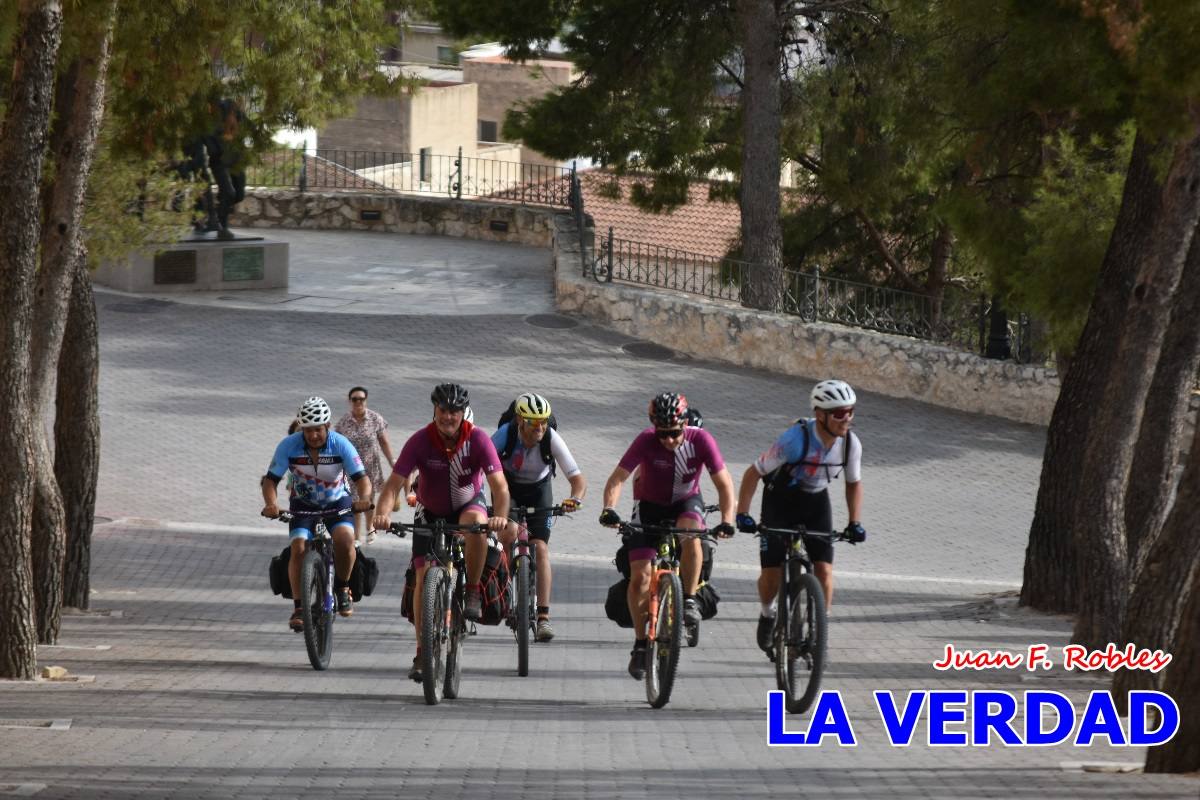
(732, 74)
(876, 238)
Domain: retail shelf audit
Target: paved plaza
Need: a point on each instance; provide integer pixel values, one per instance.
(193, 687)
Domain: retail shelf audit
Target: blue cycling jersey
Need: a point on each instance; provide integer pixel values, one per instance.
(325, 483)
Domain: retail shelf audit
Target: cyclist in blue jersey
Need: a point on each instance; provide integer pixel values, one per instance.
(321, 462)
(797, 471)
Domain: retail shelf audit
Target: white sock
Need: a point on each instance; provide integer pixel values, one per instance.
(768, 610)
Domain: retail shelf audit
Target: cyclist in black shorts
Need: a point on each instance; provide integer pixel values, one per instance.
(797, 471)
(529, 475)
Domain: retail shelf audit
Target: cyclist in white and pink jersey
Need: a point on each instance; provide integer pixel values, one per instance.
(452, 458)
(668, 458)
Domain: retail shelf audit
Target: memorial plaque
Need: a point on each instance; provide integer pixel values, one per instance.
(175, 266)
(242, 264)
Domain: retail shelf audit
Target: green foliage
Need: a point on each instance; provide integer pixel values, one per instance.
(131, 206)
(288, 65)
(1069, 221)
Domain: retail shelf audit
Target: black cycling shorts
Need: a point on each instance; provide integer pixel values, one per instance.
(423, 545)
(785, 508)
(647, 513)
(533, 495)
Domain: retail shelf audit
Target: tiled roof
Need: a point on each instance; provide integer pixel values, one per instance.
(704, 226)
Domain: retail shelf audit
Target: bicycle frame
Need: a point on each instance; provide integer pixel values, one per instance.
(665, 563)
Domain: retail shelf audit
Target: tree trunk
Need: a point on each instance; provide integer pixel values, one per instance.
(1051, 565)
(1167, 576)
(1108, 448)
(1156, 459)
(79, 108)
(22, 146)
(762, 238)
(1182, 683)
(77, 434)
(935, 284)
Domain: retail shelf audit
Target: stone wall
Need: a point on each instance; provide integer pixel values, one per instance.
(430, 215)
(896, 366)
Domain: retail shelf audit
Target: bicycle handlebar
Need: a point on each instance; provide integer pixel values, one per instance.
(288, 516)
(625, 528)
(529, 511)
(401, 529)
(833, 536)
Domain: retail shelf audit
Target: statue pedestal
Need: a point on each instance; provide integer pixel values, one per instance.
(201, 265)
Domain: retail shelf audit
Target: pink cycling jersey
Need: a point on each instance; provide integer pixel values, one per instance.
(666, 477)
(449, 478)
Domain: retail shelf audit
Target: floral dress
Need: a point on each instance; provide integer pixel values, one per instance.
(364, 435)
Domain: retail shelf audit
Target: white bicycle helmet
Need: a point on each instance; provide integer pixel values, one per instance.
(314, 412)
(833, 394)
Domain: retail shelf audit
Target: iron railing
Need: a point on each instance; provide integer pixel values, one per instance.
(413, 173)
(962, 319)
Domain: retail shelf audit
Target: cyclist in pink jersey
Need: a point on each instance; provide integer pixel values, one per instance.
(452, 458)
(668, 458)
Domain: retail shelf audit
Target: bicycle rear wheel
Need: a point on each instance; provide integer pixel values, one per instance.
(524, 587)
(664, 650)
(433, 632)
(801, 657)
(457, 635)
(318, 623)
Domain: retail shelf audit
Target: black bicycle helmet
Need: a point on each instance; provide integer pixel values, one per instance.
(694, 418)
(668, 410)
(451, 396)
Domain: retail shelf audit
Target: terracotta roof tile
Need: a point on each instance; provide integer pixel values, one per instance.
(703, 226)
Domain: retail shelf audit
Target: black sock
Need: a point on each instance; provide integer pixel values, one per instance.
(640, 644)
(543, 611)
(338, 584)
(297, 603)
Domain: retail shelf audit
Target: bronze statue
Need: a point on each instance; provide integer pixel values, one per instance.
(217, 158)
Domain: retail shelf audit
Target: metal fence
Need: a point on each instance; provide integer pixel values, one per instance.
(962, 319)
(413, 173)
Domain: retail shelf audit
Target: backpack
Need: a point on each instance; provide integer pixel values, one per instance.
(406, 598)
(278, 573)
(772, 480)
(707, 597)
(510, 439)
(497, 585)
(616, 605)
(363, 576)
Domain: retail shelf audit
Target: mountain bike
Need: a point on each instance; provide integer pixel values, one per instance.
(800, 633)
(523, 619)
(664, 624)
(443, 595)
(316, 587)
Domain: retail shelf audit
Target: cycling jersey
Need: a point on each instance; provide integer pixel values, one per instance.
(324, 484)
(450, 478)
(665, 476)
(526, 465)
(812, 470)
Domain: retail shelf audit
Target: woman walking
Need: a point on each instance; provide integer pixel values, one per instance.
(367, 431)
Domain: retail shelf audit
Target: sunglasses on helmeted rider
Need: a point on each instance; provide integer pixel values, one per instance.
(671, 433)
(842, 413)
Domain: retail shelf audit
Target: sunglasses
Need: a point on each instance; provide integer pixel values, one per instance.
(842, 413)
(672, 433)
(536, 423)
(358, 399)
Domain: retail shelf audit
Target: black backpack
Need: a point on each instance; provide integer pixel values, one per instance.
(510, 439)
(777, 479)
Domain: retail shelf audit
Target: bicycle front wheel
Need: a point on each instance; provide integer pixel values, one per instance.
(524, 588)
(457, 628)
(664, 650)
(803, 654)
(433, 632)
(318, 622)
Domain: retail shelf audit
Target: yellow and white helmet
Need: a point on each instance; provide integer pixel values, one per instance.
(532, 406)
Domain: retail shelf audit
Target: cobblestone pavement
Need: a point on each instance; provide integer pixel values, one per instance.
(200, 691)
